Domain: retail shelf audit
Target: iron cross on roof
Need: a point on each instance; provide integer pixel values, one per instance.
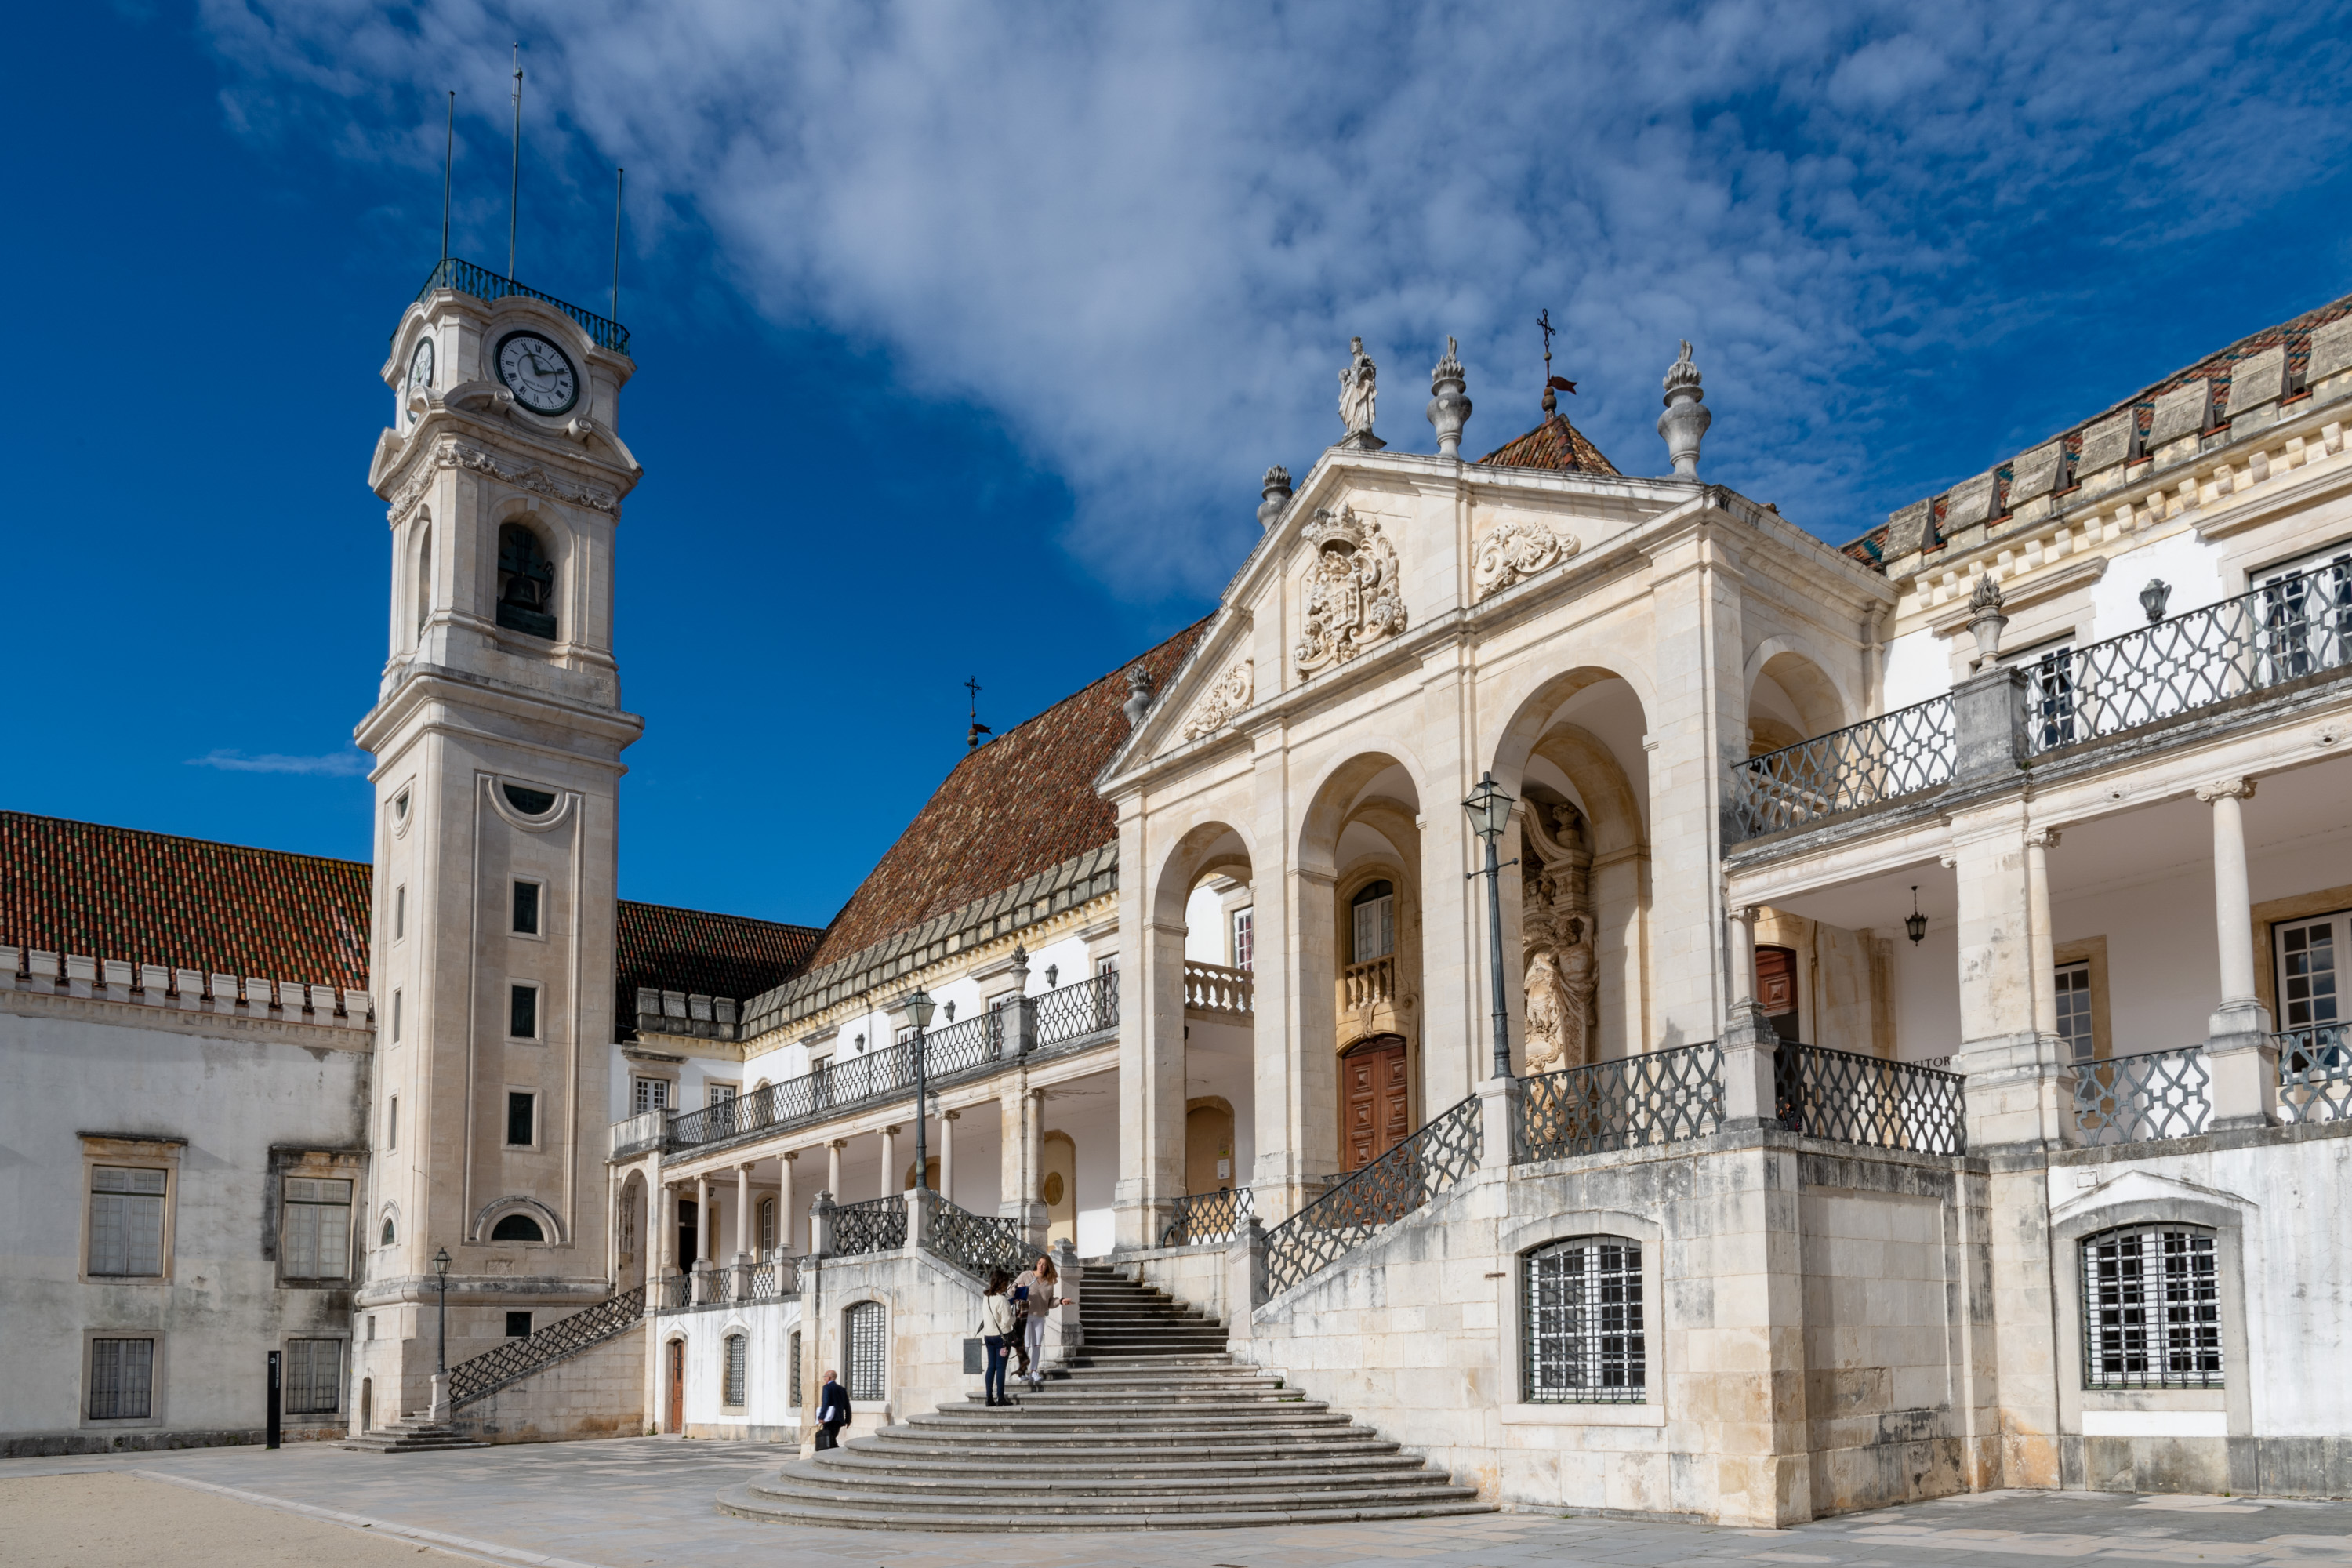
(1551, 382)
(972, 737)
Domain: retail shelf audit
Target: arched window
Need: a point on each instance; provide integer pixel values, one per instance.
(526, 582)
(390, 1236)
(869, 1352)
(1374, 907)
(732, 1394)
(1582, 1336)
(767, 1227)
(517, 1227)
(2151, 1308)
(424, 582)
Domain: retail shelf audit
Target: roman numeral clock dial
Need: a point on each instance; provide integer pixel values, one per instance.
(539, 374)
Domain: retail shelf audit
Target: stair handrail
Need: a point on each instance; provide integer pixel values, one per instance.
(977, 1244)
(1377, 1195)
(480, 1376)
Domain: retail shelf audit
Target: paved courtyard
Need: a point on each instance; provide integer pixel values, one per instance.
(646, 1502)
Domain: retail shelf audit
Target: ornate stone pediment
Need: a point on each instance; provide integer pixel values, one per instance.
(1229, 697)
(447, 453)
(1349, 596)
(1514, 552)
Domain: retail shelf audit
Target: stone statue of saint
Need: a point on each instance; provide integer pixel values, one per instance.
(1579, 981)
(1359, 390)
(1549, 1014)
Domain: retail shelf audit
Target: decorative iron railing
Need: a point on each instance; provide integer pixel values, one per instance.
(2156, 1094)
(770, 1279)
(877, 1224)
(844, 1083)
(1880, 1104)
(1658, 1096)
(2314, 1074)
(2281, 632)
(1217, 988)
(672, 1293)
(1206, 1219)
(975, 1243)
(480, 1376)
(483, 284)
(1373, 1198)
(1869, 763)
(1069, 1012)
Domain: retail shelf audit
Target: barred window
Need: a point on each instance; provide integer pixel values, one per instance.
(869, 1351)
(1580, 1320)
(314, 1377)
(2151, 1308)
(126, 1223)
(318, 1229)
(121, 1380)
(733, 1394)
(795, 1374)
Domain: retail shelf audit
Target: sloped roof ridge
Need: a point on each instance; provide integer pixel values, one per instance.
(1547, 446)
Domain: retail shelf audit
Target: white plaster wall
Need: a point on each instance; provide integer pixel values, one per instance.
(1919, 666)
(1926, 984)
(2188, 563)
(1218, 1061)
(767, 1412)
(1205, 927)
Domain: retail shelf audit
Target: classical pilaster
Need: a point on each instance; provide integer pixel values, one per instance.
(2240, 1050)
(889, 1185)
(947, 1154)
(1750, 1045)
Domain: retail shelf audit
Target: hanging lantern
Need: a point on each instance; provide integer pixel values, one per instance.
(1915, 925)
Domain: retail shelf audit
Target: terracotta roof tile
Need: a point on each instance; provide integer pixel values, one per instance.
(715, 955)
(1018, 805)
(1554, 444)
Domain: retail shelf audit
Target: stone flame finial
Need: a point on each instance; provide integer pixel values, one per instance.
(1448, 409)
(1985, 618)
(1139, 695)
(1687, 417)
(1275, 489)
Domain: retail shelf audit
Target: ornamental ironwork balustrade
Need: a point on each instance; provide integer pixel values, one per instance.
(1879, 760)
(1374, 1197)
(480, 1376)
(1658, 1096)
(1216, 988)
(483, 284)
(1071, 1012)
(1206, 1219)
(877, 1224)
(977, 1244)
(1852, 1098)
(844, 1083)
(2156, 1094)
(672, 1293)
(770, 1279)
(2314, 1074)
(1370, 984)
(2281, 632)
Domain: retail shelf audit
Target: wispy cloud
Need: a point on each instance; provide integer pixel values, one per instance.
(1144, 235)
(334, 764)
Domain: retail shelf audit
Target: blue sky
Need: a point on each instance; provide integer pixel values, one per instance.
(964, 331)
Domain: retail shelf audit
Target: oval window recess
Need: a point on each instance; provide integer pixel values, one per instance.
(530, 802)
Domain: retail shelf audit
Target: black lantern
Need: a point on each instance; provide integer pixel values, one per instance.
(1490, 814)
(441, 1333)
(1915, 925)
(2152, 598)
(1489, 809)
(919, 1006)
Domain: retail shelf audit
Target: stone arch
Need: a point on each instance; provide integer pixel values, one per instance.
(1813, 697)
(632, 1232)
(1202, 850)
(487, 1218)
(526, 586)
(1334, 793)
(1535, 714)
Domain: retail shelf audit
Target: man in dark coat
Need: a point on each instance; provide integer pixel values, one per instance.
(833, 1412)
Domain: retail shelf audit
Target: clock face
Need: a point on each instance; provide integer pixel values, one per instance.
(539, 374)
(420, 373)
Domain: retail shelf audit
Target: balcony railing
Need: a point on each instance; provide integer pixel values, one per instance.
(877, 1224)
(1658, 1096)
(1073, 1012)
(1206, 1219)
(2314, 1074)
(2277, 634)
(1374, 1197)
(978, 1244)
(1370, 985)
(1866, 764)
(2131, 1100)
(1881, 1104)
(1215, 988)
(483, 284)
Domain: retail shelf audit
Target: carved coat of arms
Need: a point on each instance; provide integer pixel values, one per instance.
(1350, 598)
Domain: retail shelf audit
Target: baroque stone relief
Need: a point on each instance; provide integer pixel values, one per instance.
(1556, 938)
(1513, 551)
(1350, 598)
(448, 452)
(1229, 697)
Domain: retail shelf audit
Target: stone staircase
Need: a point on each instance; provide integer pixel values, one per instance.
(1152, 1426)
(410, 1435)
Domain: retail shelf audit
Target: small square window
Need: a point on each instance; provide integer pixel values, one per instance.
(521, 1120)
(651, 1094)
(518, 1325)
(121, 1380)
(313, 1377)
(526, 908)
(523, 1012)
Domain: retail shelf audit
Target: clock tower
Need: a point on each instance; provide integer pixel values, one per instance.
(497, 733)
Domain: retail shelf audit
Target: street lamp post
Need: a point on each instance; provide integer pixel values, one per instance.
(1490, 814)
(918, 1013)
(441, 1333)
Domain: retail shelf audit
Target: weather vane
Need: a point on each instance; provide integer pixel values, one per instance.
(972, 737)
(1551, 382)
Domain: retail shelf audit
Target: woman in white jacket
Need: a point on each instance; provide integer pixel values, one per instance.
(998, 1327)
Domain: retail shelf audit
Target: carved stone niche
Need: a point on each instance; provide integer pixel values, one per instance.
(1350, 598)
(1561, 966)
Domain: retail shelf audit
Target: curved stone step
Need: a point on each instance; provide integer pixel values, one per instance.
(737, 1501)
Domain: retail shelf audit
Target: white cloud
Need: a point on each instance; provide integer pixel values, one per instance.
(1144, 235)
(334, 764)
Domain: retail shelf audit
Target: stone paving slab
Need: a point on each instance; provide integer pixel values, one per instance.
(647, 1503)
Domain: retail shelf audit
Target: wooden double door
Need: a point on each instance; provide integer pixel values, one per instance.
(1375, 1104)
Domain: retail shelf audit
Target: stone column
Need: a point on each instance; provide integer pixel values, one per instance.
(889, 1185)
(664, 1212)
(705, 1232)
(1150, 1071)
(743, 1234)
(2240, 1050)
(1750, 1047)
(947, 1154)
(1297, 1074)
(787, 1217)
(1454, 1052)
(1032, 1157)
(832, 1165)
(2039, 842)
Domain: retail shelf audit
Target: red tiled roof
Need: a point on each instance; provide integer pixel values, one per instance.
(1554, 444)
(714, 955)
(1020, 804)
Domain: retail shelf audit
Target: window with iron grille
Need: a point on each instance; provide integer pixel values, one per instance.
(314, 1377)
(121, 1380)
(869, 1351)
(736, 1349)
(2151, 1308)
(1580, 1323)
(795, 1374)
(126, 1222)
(318, 1229)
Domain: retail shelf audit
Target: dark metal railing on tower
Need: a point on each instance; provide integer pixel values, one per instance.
(464, 278)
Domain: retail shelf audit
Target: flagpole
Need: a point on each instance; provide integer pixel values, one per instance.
(617, 175)
(449, 158)
(514, 190)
